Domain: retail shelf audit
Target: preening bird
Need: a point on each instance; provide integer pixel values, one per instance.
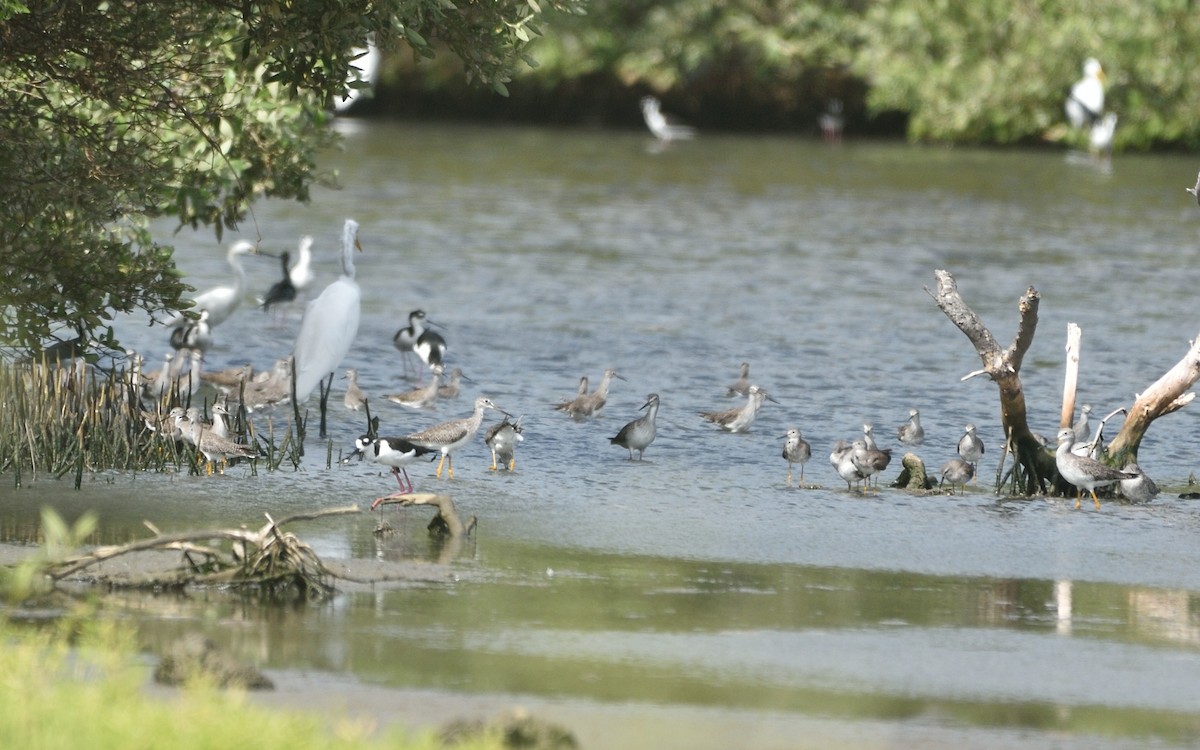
(195, 334)
(1085, 103)
(663, 127)
(330, 322)
(221, 301)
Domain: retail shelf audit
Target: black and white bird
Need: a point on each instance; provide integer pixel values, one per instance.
(1085, 103)
(281, 291)
(502, 439)
(395, 453)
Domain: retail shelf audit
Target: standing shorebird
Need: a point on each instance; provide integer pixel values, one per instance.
(419, 398)
(330, 323)
(1082, 471)
(741, 386)
(869, 436)
(283, 290)
(355, 398)
(869, 461)
(970, 447)
(796, 450)
(406, 338)
(842, 460)
(957, 472)
(502, 438)
(640, 433)
(395, 453)
(739, 419)
(448, 436)
(213, 446)
(911, 432)
(588, 404)
(1081, 428)
(453, 385)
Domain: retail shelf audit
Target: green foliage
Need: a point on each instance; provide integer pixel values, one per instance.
(27, 579)
(114, 113)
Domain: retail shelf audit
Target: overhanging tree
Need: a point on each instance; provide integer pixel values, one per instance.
(113, 113)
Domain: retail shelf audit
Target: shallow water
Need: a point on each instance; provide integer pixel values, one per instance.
(696, 589)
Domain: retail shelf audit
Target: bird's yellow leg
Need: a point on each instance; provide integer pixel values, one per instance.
(789, 479)
(1078, 496)
(493, 460)
(1096, 500)
(512, 464)
(438, 474)
(450, 467)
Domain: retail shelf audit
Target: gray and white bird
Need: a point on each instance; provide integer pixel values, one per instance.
(870, 461)
(740, 386)
(739, 418)
(449, 436)
(587, 404)
(640, 433)
(911, 432)
(1195, 191)
(1082, 427)
(957, 472)
(1139, 490)
(970, 447)
(1082, 471)
(419, 398)
(502, 439)
(355, 398)
(842, 460)
(796, 450)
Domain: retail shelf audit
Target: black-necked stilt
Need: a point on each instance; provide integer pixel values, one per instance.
(739, 418)
(330, 322)
(416, 338)
(502, 438)
(193, 334)
(281, 291)
(393, 452)
(796, 450)
(448, 436)
(640, 433)
(1085, 103)
(1084, 472)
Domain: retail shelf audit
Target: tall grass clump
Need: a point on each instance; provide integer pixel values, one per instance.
(70, 419)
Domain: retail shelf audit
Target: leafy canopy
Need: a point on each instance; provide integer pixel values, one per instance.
(113, 113)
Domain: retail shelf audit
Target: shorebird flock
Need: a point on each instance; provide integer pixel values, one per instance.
(328, 329)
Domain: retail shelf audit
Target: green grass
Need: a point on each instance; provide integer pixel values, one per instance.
(89, 691)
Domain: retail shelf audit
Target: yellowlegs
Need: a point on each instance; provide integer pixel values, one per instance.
(911, 432)
(213, 446)
(569, 405)
(640, 433)
(970, 447)
(1085, 104)
(220, 421)
(1139, 490)
(167, 424)
(842, 460)
(741, 386)
(869, 461)
(502, 438)
(957, 472)
(739, 419)
(354, 398)
(283, 290)
(663, 127)
(330, 322)
(1081, 426)
(230, 378)
(869, 436)
(448, 436)
(1082, 471)
(419, 398)
(453, 384)
(796, 450)
(588, 404)
(395, 453)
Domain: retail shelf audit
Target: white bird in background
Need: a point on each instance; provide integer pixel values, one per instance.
(661, 126)
(1100, 137)
(361, 78)
(221, 301)
(1085, 104)
(330, 322)
(301, 274)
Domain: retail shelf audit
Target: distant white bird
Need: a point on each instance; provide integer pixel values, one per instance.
(361, 78)
(1085, 104)
(1195, 191)
(221, 301)
(663, 128)
(1100, 137)
(330, 322)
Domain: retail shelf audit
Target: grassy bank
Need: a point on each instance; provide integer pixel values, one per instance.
(88, 691)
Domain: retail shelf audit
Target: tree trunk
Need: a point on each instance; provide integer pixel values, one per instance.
(1003, 366)
(1168, 394)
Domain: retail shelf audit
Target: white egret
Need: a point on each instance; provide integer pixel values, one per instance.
(301, 274)
(361, 76)
(330, 322)
(1085, 104)
(221, 301)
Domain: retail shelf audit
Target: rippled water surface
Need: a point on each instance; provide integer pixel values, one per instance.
(694, 599)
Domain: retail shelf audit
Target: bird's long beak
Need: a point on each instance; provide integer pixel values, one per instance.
(619, 376)
(357, 244)
(770, 398)
(357, 452)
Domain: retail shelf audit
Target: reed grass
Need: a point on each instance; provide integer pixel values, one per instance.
(74, 420)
